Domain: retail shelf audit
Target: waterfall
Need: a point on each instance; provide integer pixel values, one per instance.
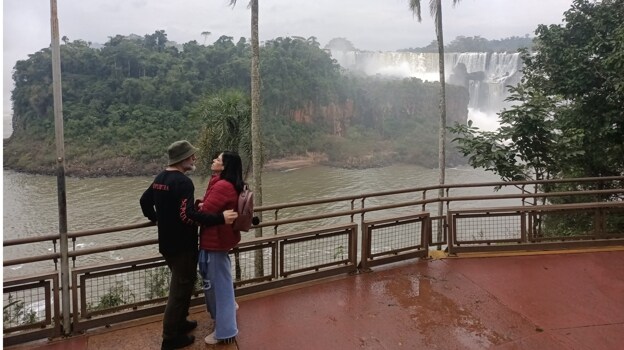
(486, 75)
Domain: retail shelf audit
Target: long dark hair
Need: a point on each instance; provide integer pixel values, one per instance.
(233, 170)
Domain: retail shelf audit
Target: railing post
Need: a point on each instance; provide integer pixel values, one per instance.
(275, 218)
(450, 232)
(365, 247)
(523, 226)
(600, 225)
(440, 213)
(426, 237)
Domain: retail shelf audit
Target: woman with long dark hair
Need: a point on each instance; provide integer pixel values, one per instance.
(215, 242)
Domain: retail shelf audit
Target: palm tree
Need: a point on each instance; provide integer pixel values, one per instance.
(435, 8)
(256, 141)
(227, 120)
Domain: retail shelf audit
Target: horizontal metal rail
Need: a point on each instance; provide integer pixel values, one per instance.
(281, 222)
(434, 187)
(76, 234)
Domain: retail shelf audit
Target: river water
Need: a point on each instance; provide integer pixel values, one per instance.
(31, 207)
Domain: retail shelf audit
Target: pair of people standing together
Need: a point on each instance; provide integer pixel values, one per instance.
(169, 201)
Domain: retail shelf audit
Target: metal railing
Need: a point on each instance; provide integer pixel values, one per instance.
(24, 323)
(320, 242)
(540, 227)
(389, 240)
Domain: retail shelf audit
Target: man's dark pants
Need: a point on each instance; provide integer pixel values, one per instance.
(183, 269)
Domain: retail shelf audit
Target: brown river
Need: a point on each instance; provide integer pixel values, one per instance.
(31, 209)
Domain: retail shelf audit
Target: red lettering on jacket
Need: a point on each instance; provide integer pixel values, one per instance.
(160, 187)
(185, 219)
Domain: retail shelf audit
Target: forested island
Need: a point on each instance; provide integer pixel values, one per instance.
(125, 101)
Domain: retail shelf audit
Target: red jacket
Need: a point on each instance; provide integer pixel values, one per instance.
(213, 178)
(220, 195)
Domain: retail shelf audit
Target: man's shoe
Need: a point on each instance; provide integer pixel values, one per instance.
(178, 342)
(188, 326)
(210, 339)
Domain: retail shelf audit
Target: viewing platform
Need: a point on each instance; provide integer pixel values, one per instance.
(522, 268)
(571, 299)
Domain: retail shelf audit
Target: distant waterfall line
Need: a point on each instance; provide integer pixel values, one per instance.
(487, 73)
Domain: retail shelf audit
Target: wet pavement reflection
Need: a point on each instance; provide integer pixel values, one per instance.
(461, 303)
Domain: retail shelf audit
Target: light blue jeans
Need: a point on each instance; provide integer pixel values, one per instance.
(215, 270)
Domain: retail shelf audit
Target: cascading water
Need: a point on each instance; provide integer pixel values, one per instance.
(485, 75)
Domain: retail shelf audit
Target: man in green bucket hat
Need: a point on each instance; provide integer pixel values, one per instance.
(169, 201)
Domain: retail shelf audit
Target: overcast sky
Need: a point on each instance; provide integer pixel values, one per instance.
(382, 25)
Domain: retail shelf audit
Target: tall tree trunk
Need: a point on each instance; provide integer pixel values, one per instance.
(256, 141)
(442, 128)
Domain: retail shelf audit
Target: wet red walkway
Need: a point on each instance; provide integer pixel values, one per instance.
(548, 301)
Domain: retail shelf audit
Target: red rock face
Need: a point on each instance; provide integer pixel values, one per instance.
(337, 114)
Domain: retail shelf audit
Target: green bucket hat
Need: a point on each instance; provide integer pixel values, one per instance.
(179, 151)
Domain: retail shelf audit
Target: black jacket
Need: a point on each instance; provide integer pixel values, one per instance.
(169, 200)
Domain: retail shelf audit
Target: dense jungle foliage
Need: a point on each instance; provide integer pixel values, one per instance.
(124, 102)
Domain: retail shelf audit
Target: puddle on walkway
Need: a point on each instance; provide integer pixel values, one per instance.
(435, 315)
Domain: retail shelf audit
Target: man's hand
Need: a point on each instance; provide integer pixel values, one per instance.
(198, 204)
(230, 215)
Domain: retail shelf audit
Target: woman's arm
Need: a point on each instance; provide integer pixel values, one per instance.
(190, 215)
